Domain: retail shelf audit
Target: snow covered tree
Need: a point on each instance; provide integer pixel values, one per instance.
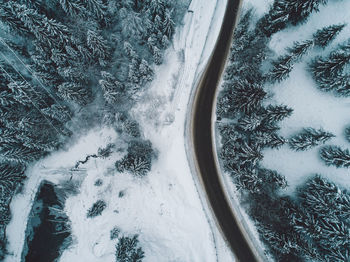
(11, 177)
(131, 128)
(329, 66)
(339, 84)
(246, 96)
(277, 113)
(138, 160)
(325, 35)
(18, 154)
(276, 19)
(146, 72)
(268, 139)
(129, 50)
(98, 45)
(114, 234)
(279, 241)
(247, 179)
(96, 209)
(8, 15)
(250, 122)
(96, 7)
(309, 138)
(249, 154)
(300, 10)
(72, 7)
(281, 68)
(168, 25)
(74, 92)
(347, 134)
(132, 24)
(157, 55)
(139, 166)
(156, 8)
(284, 12)
(300, 48)
(272, 179)
(112, 89)
(128, 250)
(335, 156)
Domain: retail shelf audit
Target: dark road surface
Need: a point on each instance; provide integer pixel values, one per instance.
(201, 131)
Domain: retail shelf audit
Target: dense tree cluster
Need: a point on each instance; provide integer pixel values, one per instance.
(138, 159)
(314, 226)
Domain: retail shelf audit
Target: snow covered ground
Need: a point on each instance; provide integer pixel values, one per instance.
(164, 208)
(312, 107)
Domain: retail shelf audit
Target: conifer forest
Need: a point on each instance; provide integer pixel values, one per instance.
(312, 223)
(99, 102)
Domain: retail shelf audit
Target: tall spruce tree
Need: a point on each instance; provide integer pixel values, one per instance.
(325, 35)
(335, 156)
(309, 138)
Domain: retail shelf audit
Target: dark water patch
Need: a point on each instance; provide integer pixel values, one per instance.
(47, 229)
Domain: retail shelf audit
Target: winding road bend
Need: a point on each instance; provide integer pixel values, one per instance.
(202, 141)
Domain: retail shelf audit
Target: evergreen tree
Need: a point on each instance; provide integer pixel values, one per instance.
(168, 25)
(300, 10)
(11, 177)
(18, 154)
(157, 8)
(277, 113)
(330, 66)
(325, 35)
(268, 139)
(137, 165)
(157, 55)
(111, 87)
(284, 12)
(339, 84)
(98, 45)
(347, 134)
(128, 250)
(72, 7)
(96, 7)
(8, 15)
(74, 92)
(335, 156)
(132, 24)
(281, 69)
(138, 160)
(249, 155)
(309, 138)
(246, 96)
(299, 49)
(96, 209)
(250, 122)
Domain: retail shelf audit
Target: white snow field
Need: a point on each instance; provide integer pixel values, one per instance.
(165, 208)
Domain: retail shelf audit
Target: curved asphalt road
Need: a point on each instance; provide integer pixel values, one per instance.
(202, 139)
